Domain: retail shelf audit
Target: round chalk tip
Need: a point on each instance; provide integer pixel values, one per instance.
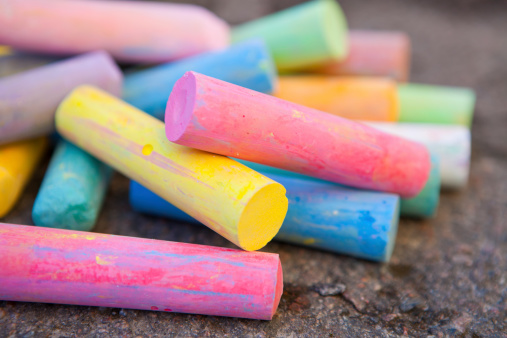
(334, 25)
(392, 232)
(262, 217)
(180, 106)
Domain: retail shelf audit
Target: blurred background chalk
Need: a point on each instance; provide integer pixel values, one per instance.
(246, 64)
(330, 217)
(130, 31)
(319, 25)
(18, 161)
(29, 99)
(72, 191)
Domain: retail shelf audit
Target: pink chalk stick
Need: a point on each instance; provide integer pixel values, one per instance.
(223, 118)
(28, 100)
(130, 31)
(374, 53)
(82, 268)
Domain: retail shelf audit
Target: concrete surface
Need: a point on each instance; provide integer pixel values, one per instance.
(447, 277)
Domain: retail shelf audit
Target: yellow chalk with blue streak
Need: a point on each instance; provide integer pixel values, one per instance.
(235, 201)
(17, 164)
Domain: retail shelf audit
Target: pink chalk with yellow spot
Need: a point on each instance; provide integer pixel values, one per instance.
(223, 118)
(240, 204)
(80, 268)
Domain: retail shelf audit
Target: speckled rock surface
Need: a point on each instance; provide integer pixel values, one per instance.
(448, 275)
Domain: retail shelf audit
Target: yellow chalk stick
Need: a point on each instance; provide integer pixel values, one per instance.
(238, 203)
(357, 98)
(17, 163)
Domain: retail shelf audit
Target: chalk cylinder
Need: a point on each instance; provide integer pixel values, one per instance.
(354, 98)
(436, 104)
(373, 53)
(72, 191)
(17, 164)
(129, 31)
(81, 268)
(424, 205)
(238, 203)
(329, 217)
(29, 99)
(450, 143)
(247, 64)
(303, 35)
(222, 118)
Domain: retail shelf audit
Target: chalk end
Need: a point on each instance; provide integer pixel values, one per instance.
(262, 217)
(278, 288)
(392, 232)
(180, 106)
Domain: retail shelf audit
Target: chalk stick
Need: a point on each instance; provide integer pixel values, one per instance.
(424, 205)
(450, 143)
(436, 104)
(72, 191)
(330, 217)
(82, 268)
(130, 31)
(238, 203)
(222, 118)
(247, 64)
(357, 98)
(373, 53)
(29, 99)
(303, 35)
(17, 164)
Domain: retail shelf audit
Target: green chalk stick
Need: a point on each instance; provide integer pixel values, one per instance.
(436, 104)
(301, 36)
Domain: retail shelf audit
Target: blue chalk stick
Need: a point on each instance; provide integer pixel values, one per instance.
(72, 191)
(329, 217)
(247, 64)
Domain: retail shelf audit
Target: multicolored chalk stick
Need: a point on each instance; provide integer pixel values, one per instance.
(130, 31)
(238, 203)
(226, 119)
(73, 189)
(29, 99)
(450, 143)
(355, 98)
(82, 268)
(373, 53)
(436, 104)
(330, 217)
(247, 64)
(17, 163)
(304, 35)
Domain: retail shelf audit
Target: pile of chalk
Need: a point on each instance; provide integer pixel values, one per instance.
(288, 127)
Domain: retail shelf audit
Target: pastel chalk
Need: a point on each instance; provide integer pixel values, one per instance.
(226, 119)
(436, 104)
(129, 31)
(238, 203)
(29, 99)
(373, 53)
(303, 35)
(357, 98)
(72, 191)
(81, 268)
(247, 64)
(424, 205)
(328, 217)
(450, 143)
(17, 163)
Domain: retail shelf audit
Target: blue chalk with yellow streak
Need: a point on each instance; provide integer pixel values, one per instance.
(424, 205)
(72, 191)
(247, 64)
(329, 217)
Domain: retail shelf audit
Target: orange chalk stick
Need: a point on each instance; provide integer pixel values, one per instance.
(356, 98)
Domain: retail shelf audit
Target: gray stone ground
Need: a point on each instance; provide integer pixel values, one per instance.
(448, 276)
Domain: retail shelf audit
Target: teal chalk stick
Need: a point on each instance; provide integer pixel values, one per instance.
(424, 205)
(248, 64)
(72, 191)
